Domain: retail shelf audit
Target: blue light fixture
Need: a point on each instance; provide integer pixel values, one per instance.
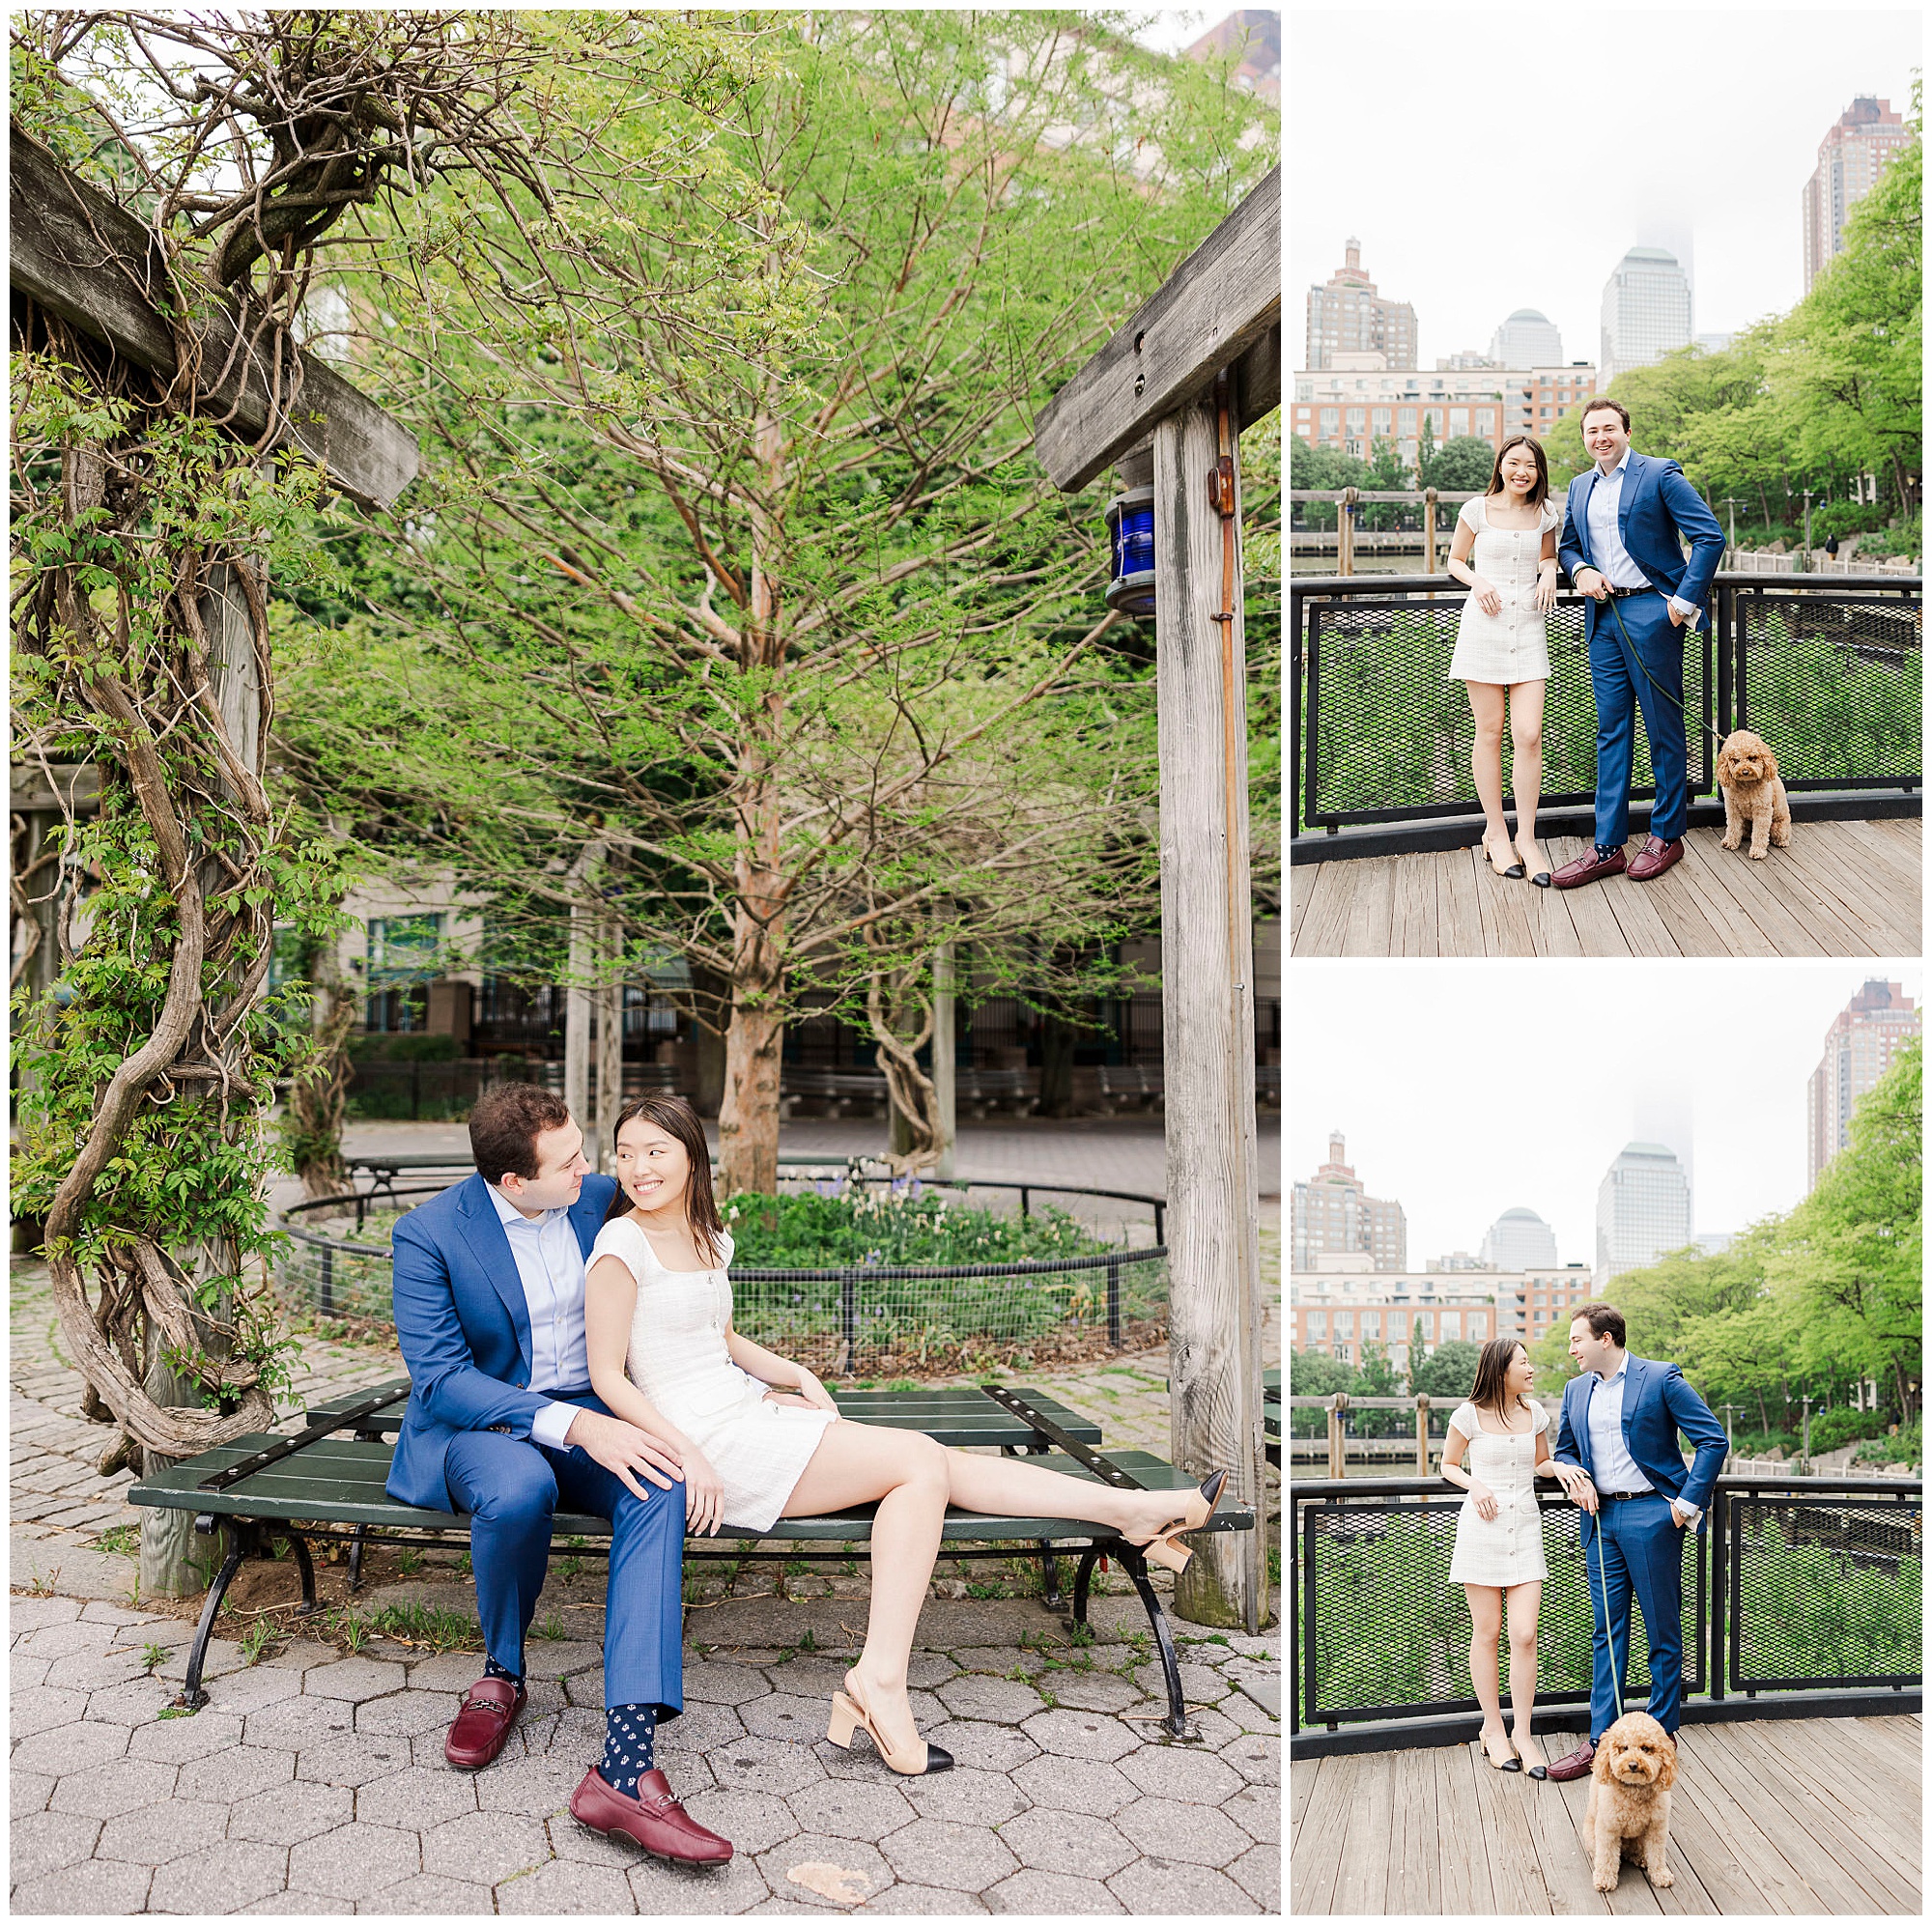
(1130, 524)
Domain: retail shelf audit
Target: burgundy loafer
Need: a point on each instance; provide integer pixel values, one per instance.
(1592, 868)
(1575, 1766)
(1654, 857)
(653, 1819)
(483, 1721)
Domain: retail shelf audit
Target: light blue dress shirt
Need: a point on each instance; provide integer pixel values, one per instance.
(1611, 559)
(1615, 1468)
(551, 1267)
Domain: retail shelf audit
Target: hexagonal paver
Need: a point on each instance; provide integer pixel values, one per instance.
(965, 1796)
(1196, 1834)
(95, 1890)
(1073, 1842)
(659, 1889)
(290, 1813)
(93, 1670)
(49, 1841)
(175, 1741)
(57, 1640)
(938, 1851)
(355, 1860)
(417, 1798)
(1258, 1873)
(982, 1747)
(229, 1775)
(924, 1901)
(796, 1720)
(434, 1897)
(221, 1879)
(585, 1689)
(1257, 1810)
(1083, 1735)
(561, 1658)
(849, 1854)
(723, 1682)
(27, 1615)
(138, 1702)
(698, 1728)
(486, 1847)
(353, 1680)
(1255, 1758)
(30, 1791)
(297, 1723)
(1051, 1895)
(565, 1885)
(996, 1700)
(765, 1764)
(752, 1821)
(533, 1786)
(351, 1760)
(1093, 1690)
(78, 1747)
(257, 1688)
(453, 1671)
(409, 1713)
(110, 1789)
(852, 1808)
(1181, 1772)
(1075, 1784)
(1159, 1889)
(157, 1835)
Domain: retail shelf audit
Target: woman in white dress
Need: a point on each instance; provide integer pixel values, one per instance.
(1505, 548)
(759, 1437)
(1499, 1539)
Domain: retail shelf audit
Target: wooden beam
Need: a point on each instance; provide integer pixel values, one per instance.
(77, 255)
(76, 788)
(1216, 305)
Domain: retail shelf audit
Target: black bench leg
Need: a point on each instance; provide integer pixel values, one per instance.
(356, 1557)
(1051, 1567)
(1083, 1577)
(1135, 1566)
(240, 1541)
(306, 1563)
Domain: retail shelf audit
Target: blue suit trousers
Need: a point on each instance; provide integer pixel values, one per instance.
(1642, 1551)
(511, 1487)
(1621, 690)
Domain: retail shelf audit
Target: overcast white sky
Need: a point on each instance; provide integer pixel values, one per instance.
(1469, 1088)
(1541, 169)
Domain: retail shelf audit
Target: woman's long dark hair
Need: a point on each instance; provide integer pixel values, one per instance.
(1538, 495)
(677, 1119)
(1491, 1371)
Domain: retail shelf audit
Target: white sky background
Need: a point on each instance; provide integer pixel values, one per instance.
(1469, 1088)
(1543, 170)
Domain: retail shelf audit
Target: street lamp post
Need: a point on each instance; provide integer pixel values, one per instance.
(1731, 503)
(1807, 527)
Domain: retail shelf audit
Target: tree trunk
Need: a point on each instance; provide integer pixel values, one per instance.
(609, 998)
(1057, 1038)
(748, 1123)
(709, 993)
(317, 1106)
(578, 993)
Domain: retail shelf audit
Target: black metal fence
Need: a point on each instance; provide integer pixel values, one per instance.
(1828, 671)
(1796, 1584)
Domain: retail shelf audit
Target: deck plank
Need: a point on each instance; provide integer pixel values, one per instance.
(1457, 892)
(1731, 905)
(1327, 912)
(1899, 845)
(1415, 1837)
(1870, 906)
(1413, 927)
(1371, 909)
(1467, 1882)
(1361, 1891)
(1324, 1830)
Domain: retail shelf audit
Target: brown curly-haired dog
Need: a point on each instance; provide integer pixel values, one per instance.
(1628, 1813)
(1747, 774)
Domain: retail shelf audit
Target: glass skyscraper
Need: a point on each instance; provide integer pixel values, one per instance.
(1646, 311)
(1644, 1210)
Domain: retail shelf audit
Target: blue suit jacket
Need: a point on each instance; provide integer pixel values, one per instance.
(1657, 1403)
(465, 1328)
(1658, 505)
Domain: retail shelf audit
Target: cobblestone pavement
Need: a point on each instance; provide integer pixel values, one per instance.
(314, 1782)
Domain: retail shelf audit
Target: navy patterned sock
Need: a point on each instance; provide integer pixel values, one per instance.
(492, 1669)
(629, 1746)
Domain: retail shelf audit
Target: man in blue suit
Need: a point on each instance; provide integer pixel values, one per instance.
(1623, 527)
(1617, 1457)
(501, 1425)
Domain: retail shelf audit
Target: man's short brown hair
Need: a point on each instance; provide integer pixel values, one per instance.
(505, 1127)
(1605, 1319)
(1616, 407)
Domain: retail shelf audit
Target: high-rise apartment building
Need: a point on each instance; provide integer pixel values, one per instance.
(1346, 316)
(1527, 339)
(1644, 1210)
(1333, 1216)
(1646, 311)
(1519, 1240)
(1859, 1047)
(1852, 156)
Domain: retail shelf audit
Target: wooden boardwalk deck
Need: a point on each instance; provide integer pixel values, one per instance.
(1842, 888)
(1816, 1817)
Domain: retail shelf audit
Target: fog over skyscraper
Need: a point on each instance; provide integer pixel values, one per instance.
(1646, 312)
(1644, 1210)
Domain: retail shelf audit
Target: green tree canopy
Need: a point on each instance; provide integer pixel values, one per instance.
(1463, 462)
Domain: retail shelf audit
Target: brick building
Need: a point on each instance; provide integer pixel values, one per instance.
(1859, 1048)
(1350, 409)
(1333, 1216)
(1346, 316)
(1856, 150)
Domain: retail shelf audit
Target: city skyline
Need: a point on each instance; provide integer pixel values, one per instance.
(1720, 189)
(1403, 1076)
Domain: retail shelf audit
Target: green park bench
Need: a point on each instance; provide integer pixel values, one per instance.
(1271, 1416)
(324, 1486)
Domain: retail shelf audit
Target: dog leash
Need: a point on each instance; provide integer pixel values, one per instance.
(1630, 649)
(1604, 1591)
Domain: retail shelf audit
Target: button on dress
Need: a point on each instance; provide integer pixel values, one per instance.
(1514, 645)
(1508, 1549)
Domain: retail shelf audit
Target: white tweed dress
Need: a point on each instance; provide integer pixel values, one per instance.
(1513, 645)
(1508, 1549)
(678, 1360)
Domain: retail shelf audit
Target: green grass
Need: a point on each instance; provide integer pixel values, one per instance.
(426, 1626)
(121, 1540)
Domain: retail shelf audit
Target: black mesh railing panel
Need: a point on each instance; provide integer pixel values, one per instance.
(1391, 1631)
(1390, 732)
(1824, 1591)
(1835, 683)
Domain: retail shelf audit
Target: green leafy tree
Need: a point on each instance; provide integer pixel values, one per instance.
(1463, 462)
(1315, 466)
(1447, 1374)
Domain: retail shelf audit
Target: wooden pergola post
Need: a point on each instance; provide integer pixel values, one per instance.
(1197, 364)
(77, 255)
